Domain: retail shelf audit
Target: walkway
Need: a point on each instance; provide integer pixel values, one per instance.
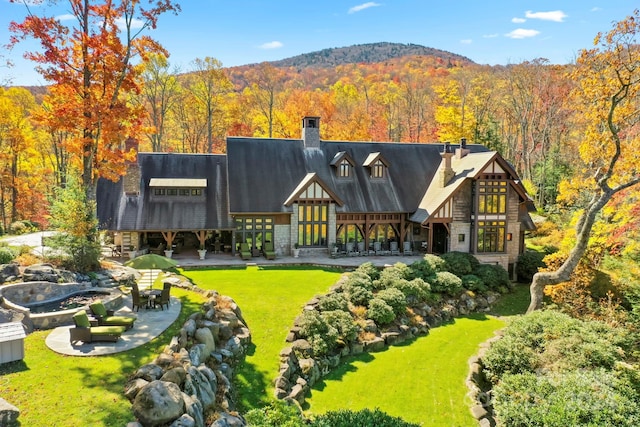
(149, 324)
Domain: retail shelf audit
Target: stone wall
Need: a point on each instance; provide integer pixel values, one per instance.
(190, 382)
(300, 369)
(479, 388)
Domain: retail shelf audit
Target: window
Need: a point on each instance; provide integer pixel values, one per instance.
(492, 197)
(491, 236)
(177, 192)
(313, 224)
(158, 191)
(377, 169)
(254, 230)
(344, 169)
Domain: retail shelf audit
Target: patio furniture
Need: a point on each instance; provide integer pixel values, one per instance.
(377, 248)
(394, 248)
(361, 249)
(245, 252)
(137, 299)
(107, 318)
(269, 252)
(159, 250)
(83, 331)
(165, 296)
(407, 248)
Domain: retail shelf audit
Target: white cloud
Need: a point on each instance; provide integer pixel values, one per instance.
(554, 15)
(596, 9)
(518, 20)
(363, 6)
(271, 45)
(466, 41)
(490, 36)
(65, 17)
(135, 23)
(522, 33)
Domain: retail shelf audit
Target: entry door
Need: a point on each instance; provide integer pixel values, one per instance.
(440, 239)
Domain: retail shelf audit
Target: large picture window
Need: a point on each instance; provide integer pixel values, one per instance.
(313, 224)
(492, 197)
(254, 231)
(491, 236)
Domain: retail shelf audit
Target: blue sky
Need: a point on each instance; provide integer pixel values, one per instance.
(239, 32)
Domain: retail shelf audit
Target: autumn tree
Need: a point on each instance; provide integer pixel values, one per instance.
(264, 84)
(606, 96)
(209, 83)
(90, 59)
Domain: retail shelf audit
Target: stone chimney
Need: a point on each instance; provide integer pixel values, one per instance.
(131, 179)
(463, 150)
(445, 172)
(311, 132)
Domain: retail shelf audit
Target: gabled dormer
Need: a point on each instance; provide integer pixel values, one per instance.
(343, 164)
(312, 189)
(377, 165)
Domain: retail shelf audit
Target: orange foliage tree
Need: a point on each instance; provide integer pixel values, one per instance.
(90, 61)
(606, 94)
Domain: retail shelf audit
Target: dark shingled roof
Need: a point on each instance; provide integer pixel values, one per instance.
(119, 211)
(264, 172)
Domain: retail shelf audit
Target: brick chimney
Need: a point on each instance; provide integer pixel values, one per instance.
(463, 150)
(311, 132)
(445, 172)
(131, 179)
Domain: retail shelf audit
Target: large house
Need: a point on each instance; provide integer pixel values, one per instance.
(326, 197)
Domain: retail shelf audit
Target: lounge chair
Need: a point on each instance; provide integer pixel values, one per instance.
(394, 248)
(106, 317)
(269, 252)
(245, 252)
(407, 248)
(83, 331)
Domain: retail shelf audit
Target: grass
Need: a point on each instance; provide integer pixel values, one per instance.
(270, 299)
(55, 390)
(422, 382)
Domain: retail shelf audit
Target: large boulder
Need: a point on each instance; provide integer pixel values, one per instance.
(9, 272)
(8, 413)
(197, 384)
(158, 403)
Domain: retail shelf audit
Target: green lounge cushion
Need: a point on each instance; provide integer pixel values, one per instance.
(118, 321)
(107, 330)
(81, 319)
(98, 309)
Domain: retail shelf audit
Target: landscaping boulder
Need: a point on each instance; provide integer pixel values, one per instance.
(40, 273)
(9, 272)
(158, 403)
(8, 413)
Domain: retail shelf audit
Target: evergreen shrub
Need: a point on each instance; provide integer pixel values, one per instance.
(380, 312)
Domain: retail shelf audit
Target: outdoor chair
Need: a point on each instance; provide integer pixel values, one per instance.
(165, 296)
(377, 248)
(83, 331)
(107, 318)
(394, 248)
(245, 252)
(159, 250)
(137, 299)
(361, 249)
(351, 251)
(407, 248)
(269, 252)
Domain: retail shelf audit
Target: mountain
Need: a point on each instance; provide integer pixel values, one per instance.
(365, 53)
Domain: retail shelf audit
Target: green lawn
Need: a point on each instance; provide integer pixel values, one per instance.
(422, 382)
(270, 299)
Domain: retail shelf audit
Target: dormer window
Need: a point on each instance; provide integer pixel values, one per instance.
(177, 186)
(343, 163)
(377, 165)
(344, 169)
(377, 170)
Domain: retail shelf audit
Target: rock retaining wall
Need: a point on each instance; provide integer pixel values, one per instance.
(479, 388)
(189, 383)
(300, 369)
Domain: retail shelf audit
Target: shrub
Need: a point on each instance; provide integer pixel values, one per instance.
(446, 283)
(333, 301)
(494, 277)
(358, 295)
(22, 227)
(380, 312)
(593, 398)
(473, 283)
(460, 263)
(6, 255)
(314, 328)
(528, 264)
(277, 413)
(370, 270)
(343, 323)
(435, 263)
(395, 298)
(416, 290)
(358, 278)
(362, 418)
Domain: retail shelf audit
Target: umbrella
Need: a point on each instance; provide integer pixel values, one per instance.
(151, 262)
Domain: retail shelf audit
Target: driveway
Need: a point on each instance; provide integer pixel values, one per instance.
(34, 240)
